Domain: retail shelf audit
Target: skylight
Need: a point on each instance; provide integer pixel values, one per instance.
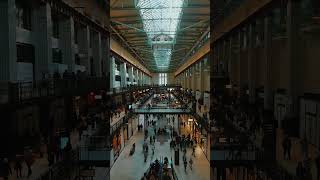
(161, 18)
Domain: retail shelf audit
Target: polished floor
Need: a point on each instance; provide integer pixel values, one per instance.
(133, 167)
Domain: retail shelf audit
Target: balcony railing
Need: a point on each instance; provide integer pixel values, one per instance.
(16, 92)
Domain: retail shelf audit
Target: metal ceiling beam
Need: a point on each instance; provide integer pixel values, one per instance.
(130, 8)
(180, 30)
(193, 25)
(138, 21)
(132, 50)
(185, 14)
(129, 26)
(196, 44)
(114, 3)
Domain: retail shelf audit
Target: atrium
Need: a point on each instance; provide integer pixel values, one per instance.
(159, 90)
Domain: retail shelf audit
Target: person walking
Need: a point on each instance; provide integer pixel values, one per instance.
(185, 163)
(145, 153)
(193, 151)
(153, 147)
(191, 163)
(184, 151)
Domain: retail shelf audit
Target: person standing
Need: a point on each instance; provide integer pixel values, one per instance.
(304, 147)
(6, 169)
(286, 145)
(28, 160)
(18, 168)
(317, 161)
(307, 166)
(300, 171)
(50, 158)
(144, 177)
(29, 163)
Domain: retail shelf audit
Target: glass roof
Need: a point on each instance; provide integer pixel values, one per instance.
(161, 18)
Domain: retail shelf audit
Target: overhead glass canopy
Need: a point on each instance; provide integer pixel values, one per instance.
(161, 20)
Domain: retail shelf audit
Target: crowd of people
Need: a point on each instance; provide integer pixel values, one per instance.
(249, 123)
(47, 147)
(140, 99)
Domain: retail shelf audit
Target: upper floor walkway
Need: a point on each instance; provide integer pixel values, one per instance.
(17, 92)
(161, 111)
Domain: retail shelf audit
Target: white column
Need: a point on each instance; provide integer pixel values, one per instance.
(206, 76)
(43, 46)
(96, 53)
(202, 74)
(131, 75)
(267, 63)
(293, 8)
(140, 78)
(239, 38)
(230, 62)
(186, 84)
(197, 77)
(251, 66)
(137, 77)
(83, 45)
(104, 54)
(66, 42)
(123, 74)
(134, 78)
(143, 80)
(112, 72)
(8, 63)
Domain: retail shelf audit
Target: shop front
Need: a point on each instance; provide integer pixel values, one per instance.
(201, 135)
(116, 145)
(116, 140)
